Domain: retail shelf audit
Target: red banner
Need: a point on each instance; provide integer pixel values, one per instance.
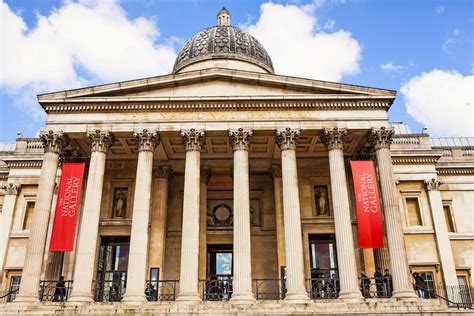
(67, 207)
(369, 213)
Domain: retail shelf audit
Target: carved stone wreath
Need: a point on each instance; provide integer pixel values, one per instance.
(220, 216)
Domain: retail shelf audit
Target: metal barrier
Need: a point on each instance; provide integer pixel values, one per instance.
(219, 289)
(54, 291)
(109, 291)
(8, 296)
(460, 296)
(269, 289)
(324, 288)
(372, 287)
(162, 290)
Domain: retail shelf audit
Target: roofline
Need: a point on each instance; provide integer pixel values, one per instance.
(199, 75)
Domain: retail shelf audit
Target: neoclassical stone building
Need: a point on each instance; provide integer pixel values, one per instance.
(224, 181)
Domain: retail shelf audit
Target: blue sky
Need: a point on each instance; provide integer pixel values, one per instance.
(423, 49)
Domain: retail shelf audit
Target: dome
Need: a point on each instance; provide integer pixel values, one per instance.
(223, 42)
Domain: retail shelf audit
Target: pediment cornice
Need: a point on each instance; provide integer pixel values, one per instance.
(308, 86)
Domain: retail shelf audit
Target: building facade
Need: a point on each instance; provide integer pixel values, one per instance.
(224, 181)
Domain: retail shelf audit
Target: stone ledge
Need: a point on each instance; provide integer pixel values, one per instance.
(328, 307)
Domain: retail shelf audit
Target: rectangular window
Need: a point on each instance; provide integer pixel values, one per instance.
(448, 217)
(28, 219)
(413, 211)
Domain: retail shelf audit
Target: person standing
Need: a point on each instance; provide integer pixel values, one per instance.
(388, 282)
(364, 285)
(419, 284)
(60, 290)
(379, 282)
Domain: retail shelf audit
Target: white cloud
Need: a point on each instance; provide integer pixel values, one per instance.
(439, 9)
(390, 67)
(442, 101)
(289, 34)
(450, 40)
(76, 44)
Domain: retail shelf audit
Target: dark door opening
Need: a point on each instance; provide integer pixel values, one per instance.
(112, 269)
(218, 285)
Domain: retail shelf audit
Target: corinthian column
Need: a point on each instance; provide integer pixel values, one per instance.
(137, 260)
(87, 243)
(6, 219)
(53, 143)
(242, 282)
(381, 139)
(188, 283)
(295, 282)
(280, 230)
(333, 139)
(442, 236)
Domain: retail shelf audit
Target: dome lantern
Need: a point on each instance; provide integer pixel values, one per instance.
(223, 17)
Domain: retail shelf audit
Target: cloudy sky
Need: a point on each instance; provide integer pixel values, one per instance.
(423, 49)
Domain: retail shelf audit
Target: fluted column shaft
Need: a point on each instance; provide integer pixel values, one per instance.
(88, 233)
(188, 283)
(279, 225)
(381, 139)
(242, 280)
(137, 259)
(205, 177)
(53, 143)
(295, 280)
(442, 236)
(334, 140)
(6, 219)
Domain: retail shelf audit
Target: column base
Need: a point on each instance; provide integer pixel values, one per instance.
(134, 299)
(188, 299)
(405, 294)
(297, 298)
(351, 297)
(242, 299)
(80, 299)
(26, 299)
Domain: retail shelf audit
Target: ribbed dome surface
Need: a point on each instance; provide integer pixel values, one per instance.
(223, 42)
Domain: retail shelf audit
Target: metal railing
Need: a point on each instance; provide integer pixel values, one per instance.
(460, 296)
(54, 291)
(109, 291)
(161, 290)
(217, 288)
(372, 287)
(8, 296)
(324, 288)
(269, 289)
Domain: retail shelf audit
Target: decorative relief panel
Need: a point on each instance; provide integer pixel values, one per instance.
(220, 214)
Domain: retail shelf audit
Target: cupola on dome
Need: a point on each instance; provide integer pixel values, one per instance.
(223, 42)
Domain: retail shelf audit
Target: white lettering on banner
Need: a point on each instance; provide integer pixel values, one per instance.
(69, 202)
(368, 195)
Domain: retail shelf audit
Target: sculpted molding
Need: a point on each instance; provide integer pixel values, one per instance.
(100, 141)
(240, 139)
(54, 141)
(433, 184)
(287, 138)
(146, 141)
(11, 188)
(333, 138)
(380, 137)
(193, 139)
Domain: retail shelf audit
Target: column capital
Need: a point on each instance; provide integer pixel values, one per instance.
(146, 140)
(275, 171)
(206, 174)
(100, 141)
(287, 138)
(380, 137)
(193, 139)
(240, 139)
(11, 188)
(162, 172)
(433, 184)
(333, 138)
(54, 141)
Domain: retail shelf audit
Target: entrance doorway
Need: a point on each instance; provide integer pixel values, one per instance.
(323, 264)
(112, 269)
(218, 284)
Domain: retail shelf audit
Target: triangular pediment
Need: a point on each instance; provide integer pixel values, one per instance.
(216, 83)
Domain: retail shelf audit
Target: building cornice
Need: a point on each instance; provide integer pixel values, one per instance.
(211, 104)
(414, 160)
(455, 171)
(23, 164)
